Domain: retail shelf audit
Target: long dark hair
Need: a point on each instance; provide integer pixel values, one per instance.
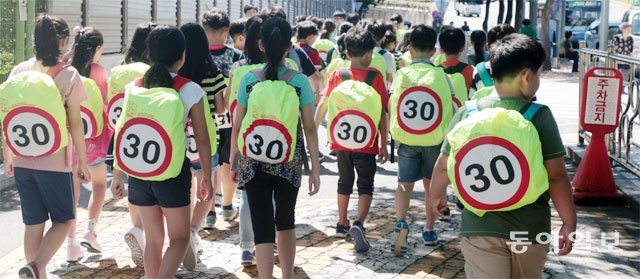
(47, 34)
(478, 40)
(252, 50)
(136, 52)
(166, 46)
(84, 49)
(328, 27)
(198, 63)
(275, 35)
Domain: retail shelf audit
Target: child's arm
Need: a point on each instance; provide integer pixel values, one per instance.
(384, 131)
(241, 111)
(321, 111)
(226, 95)
(77, 136)
(117, 184)
(438, 187)
(8, 159)
(560, 192)
(205, 189)
(311, 134)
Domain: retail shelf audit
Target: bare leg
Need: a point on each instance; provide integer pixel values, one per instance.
(403, 198)
(76, 198)
(364, 203)
(201, 208)
(431, 219)
(134, 212)
(51, 242)
(179, 235)
(32, 241)
(264, 259)
(99, 186)
(153, 224)
(287, 251)
(343, 205)
(228, 186)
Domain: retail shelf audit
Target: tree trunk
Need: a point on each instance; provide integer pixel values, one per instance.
(485, 23)
(544, 33)
(501, 11)
(520, 7)
(509, 16)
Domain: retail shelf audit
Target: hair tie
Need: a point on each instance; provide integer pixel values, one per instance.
(76, 30)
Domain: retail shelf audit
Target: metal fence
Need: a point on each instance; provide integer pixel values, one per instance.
(414, 15)
(624, 143)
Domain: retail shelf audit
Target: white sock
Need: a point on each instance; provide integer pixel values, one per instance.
(71, 242)
(91, 225)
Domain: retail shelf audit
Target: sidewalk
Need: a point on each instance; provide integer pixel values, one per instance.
(320, 255)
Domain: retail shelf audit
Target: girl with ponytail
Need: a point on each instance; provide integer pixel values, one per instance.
(479, 43)
(170, 199)
(85, 56)
(262, 181)
(44, 183)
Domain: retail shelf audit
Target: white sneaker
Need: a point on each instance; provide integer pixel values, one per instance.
(135, 240)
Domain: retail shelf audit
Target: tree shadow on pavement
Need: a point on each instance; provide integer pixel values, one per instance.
(314, 237)
(9, 199)
(106, 268)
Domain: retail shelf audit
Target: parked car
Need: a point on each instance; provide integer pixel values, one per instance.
(468, 7)
(592, 35)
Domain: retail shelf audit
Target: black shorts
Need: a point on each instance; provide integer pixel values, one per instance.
(363, 164)
(224, 146)
(260, 191)
(171, 193)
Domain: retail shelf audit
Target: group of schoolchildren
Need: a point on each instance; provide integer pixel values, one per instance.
(226, 104)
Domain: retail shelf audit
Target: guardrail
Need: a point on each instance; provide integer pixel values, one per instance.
(624, 144)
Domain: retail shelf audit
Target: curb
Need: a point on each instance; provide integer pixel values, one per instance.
(626, 181)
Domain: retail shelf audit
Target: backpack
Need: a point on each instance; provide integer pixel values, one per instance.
(212, 129)
(379, 63)
(92, 110)
(120, 77)
(482, 92)
(496, 161)
(324, 46)
(238, 73)
(459, 83)
(354, 113)
(269, 130)
(337, 64)
(150, 135)
(421, 107)
(34, 119)
(483, 72)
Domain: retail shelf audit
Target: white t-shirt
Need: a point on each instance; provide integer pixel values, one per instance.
(391, 62)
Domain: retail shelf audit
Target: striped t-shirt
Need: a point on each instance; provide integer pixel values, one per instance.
(213, 84)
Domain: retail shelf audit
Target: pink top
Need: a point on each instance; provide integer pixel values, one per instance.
(72, 90)
(97, 147)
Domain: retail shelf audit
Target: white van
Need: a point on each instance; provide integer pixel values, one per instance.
(468, 7)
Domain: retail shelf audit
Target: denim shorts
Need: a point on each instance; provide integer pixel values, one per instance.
(416, 162)
(196, 167)
(44, 195)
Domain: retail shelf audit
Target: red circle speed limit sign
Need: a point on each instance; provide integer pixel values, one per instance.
(31, 132)
(456, 103)
(491, 173)
(192, 150)
(89, 123)
(267, 141)
(353, 129)
(114, 110)
(419, 110)
(143, 148)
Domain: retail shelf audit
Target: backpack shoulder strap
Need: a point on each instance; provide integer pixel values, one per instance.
(243, 62)
(472, 107)
(259, 72)
(382, 51)
(55, 70)
(344, 74)
(288, 75)
(371, 77)
(455, 69)
(453, 90)
(179, 82)
(484, 74)
(530, 110)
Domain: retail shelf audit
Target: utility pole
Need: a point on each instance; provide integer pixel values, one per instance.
(604, 26)
(533, 14)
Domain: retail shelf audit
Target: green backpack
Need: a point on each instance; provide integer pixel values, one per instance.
(496, 161)
(458, 82)
(212, 129)
(269, 130)
(354, 113)
(324, 46)
(92, 110)
(150, 140)
(120, 77)
(482, 92)
(34, 119)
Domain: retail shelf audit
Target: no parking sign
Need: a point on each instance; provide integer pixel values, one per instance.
(599, 114)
